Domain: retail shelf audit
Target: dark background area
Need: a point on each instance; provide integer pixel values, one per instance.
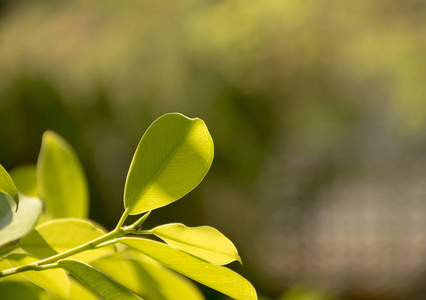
(317, 111)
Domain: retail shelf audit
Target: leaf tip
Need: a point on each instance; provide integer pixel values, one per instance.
(49, 134)
(8, 186)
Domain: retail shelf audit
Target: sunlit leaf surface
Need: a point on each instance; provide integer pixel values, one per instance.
(204, 241)
(217, 277)
(61, 180)
(172, 158)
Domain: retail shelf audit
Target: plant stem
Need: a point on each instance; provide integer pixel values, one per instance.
(87, 246)
(29, 267)
(145, 232)
(107, 239)
(53, 259)
(122, 219)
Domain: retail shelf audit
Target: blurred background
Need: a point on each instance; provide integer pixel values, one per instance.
(317, 110)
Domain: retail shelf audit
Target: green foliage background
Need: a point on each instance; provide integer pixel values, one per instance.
(309, 90)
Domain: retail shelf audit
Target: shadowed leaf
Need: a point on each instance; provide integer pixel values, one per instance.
(7, 186)
(16, 224)
(102, 285)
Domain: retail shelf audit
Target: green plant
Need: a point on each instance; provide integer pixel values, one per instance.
(172, 158)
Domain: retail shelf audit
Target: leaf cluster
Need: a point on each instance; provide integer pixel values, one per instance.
(51, 250)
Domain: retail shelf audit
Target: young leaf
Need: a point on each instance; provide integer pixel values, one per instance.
(16, 224)
(172, 158)
(53, 280)
(61, 180)
(7, 186)
(147, 277)
(60, 235)
(25, 179)
(204, 242)
(98, 282)
(217, 277)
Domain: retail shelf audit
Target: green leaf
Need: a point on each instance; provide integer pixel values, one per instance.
(7, 186)
(60, 235)
(172, 158)
(61, 180)
(147, 277)
(53, 280)
(22, 290)
(204, 242)
(25, 179)
(102, 285)
(16, 224)
(217, 277)
(79, 292)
